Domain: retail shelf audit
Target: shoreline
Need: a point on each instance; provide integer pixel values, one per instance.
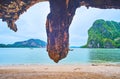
(37, 71)
(55, 64)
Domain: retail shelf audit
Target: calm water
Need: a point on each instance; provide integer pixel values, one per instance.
(10, 56)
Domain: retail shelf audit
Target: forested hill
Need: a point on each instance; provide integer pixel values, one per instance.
(35, 43)
(104, 34)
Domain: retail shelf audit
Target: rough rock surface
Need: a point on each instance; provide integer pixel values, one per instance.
(58, 20)
(57, 26)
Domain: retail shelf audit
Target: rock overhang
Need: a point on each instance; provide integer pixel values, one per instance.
(58, 20)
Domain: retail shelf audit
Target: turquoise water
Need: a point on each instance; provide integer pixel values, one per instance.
(9, 56)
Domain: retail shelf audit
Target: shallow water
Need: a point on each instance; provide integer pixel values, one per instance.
(9, 56)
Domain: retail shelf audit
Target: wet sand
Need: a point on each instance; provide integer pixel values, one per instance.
(60, 72)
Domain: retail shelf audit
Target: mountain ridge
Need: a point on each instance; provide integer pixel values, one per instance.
(30, 43)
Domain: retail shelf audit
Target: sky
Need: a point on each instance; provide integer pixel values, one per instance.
(31, 24)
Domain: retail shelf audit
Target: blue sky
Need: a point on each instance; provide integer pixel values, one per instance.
(31, 24)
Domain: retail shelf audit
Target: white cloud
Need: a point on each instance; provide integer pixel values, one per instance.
(32, 24)
(84, 19)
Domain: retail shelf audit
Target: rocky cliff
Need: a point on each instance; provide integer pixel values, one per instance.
(104, 34)
(58, 20)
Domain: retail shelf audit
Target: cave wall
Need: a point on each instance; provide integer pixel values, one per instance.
(10, 10)
(58, 20)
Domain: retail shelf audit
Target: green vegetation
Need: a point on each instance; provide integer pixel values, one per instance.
(104, 34)
(31, 43)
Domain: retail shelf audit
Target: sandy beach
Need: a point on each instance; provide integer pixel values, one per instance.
(60, 72)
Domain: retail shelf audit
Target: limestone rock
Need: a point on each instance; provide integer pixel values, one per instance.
(104, 34)
(58, 20)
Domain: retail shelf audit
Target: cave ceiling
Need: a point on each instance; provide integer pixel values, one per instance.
(57, 22)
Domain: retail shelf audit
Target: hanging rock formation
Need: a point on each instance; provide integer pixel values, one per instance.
(10, 10)
(57, 26)
(58, 20)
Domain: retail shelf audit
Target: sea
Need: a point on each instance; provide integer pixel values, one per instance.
(19, 56)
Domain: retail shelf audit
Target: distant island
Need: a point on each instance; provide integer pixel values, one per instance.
(31, 43)
(104, 34)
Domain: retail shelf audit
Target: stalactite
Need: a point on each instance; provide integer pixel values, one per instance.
(58, 20)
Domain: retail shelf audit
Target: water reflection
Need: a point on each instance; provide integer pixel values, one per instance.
(40, 56)
(104, 55)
